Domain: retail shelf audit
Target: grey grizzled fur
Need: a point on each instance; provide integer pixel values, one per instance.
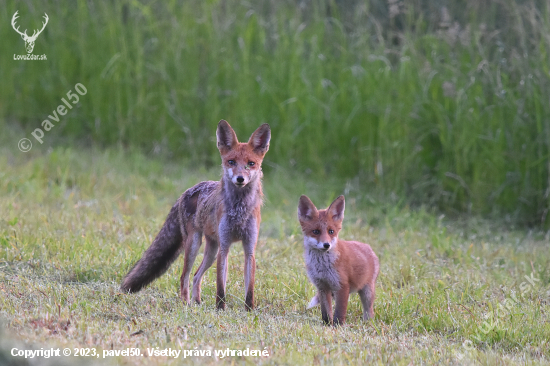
(240, 203)
(223, 212)
(320, 269)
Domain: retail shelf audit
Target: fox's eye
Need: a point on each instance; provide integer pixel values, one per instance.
(231, 162)
(316, 232)
(251, 163)
(331, 231)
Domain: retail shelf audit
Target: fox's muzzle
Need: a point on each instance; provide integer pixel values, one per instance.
(240, 181)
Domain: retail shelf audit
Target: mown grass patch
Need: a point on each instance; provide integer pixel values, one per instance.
(74, 221)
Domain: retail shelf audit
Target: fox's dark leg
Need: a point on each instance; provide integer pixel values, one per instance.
(225, 236)
(210, 252)
(194, 240)
(325, 297)
(341, 299)
(249, 272)
(249, 246)
(221, 278)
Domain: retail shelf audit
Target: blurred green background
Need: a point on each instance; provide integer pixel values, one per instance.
(440, 103)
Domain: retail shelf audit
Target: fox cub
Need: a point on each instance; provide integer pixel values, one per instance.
(336, 267)
(223, 211)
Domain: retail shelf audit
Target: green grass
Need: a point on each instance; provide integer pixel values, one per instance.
(75, 220)
(442, 103)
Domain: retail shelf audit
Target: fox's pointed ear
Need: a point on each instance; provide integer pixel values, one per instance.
(227, 139)
(260, 139)
(306, 209)
(336, 209)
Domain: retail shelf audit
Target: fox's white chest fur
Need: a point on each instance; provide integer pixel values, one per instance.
(321, 270)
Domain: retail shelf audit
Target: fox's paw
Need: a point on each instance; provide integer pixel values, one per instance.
(314, 302)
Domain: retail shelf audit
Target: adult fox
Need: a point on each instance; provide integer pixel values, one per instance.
(223, 211)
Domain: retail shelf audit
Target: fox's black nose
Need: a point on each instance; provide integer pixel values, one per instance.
(240, 179)
(326, 245)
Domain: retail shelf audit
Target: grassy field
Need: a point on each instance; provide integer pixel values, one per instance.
(75, 220)
(442, 102)
(431, 116)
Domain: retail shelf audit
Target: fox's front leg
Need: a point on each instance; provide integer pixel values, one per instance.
(342, 298)
(249, 245)
(249, 272)
(221, 278)
(222, 264)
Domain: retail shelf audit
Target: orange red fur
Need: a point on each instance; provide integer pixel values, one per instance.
(336, 267)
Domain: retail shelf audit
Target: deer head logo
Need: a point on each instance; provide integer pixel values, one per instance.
(29, 41)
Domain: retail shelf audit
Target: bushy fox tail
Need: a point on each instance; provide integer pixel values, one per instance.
(159, 256)
(314, 302)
